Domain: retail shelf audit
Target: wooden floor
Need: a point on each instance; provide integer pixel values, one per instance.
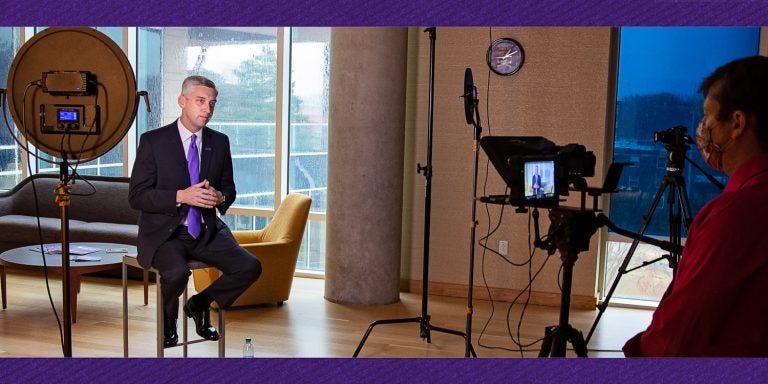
(307, 325)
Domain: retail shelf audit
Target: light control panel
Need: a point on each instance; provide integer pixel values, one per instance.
(69, 118)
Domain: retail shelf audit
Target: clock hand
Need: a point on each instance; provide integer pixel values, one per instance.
(507, 55)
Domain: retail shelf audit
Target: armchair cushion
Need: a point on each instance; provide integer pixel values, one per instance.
(277, 247)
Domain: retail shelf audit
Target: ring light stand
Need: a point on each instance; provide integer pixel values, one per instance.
(73, 96)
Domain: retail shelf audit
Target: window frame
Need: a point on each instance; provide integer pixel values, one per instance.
(130, 42)
(603, 284)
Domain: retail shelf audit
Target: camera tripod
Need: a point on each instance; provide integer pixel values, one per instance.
(679, 214)
(569, 232)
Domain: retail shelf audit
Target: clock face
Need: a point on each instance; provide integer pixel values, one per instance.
(505, 56)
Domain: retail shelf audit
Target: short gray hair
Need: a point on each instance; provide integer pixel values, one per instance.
(195, 80)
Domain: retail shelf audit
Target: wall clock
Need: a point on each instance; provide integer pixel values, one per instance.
(505, 56)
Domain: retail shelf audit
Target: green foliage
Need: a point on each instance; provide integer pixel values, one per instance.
(251, 97)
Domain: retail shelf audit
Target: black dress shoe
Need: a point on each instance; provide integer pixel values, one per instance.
(171, 338)
(202, 318)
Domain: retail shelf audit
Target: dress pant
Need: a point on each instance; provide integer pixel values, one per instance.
(239, 268)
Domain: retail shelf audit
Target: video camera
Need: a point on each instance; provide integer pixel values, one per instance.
(536, 170)
(676, 141)
(676, 136)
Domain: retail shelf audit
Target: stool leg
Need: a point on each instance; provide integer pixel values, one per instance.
(222, 332)
(2, 285)
(125, 310)
(146, 286)
(185, 341)
(160, 324)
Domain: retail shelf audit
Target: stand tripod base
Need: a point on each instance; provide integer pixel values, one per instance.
(555, 339)
(425, 330)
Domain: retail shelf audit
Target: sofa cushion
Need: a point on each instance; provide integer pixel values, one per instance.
(21, 229)
(98, 212)
(104, 233)
(97, 199)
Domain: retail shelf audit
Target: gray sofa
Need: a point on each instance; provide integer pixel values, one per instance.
(98, 212)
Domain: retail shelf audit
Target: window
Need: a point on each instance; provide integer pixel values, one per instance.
(308, 136)
(659, 73)
(272, 104)
(10, 153)
(277, 147)
(111, 163)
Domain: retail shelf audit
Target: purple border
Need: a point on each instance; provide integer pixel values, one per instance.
(383, 13)
(382, 370)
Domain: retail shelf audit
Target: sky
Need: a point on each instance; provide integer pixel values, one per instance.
(678, 71)
(307, 75)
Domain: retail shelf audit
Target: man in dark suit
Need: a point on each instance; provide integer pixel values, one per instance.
(536, 182)
(182, 176)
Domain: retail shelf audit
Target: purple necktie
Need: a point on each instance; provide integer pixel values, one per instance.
(194, 220)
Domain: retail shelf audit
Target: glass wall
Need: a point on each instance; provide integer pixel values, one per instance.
(111, 163)
(308, 136)
(10, 153)
(272, 104)
(245, 64)
(659, 72)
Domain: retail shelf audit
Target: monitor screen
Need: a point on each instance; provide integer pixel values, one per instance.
(68, 115)
(539, 176)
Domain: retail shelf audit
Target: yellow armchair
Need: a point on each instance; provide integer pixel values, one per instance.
(277, 246)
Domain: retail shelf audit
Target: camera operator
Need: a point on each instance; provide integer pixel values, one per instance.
(716, 302)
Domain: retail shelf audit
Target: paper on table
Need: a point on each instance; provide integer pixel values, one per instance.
(73, 249)
(84, 258)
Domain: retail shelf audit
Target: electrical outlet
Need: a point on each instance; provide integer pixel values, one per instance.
(503, 247)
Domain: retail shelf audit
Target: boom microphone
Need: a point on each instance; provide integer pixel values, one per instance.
(470, 96)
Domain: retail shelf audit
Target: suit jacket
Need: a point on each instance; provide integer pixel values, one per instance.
(536, 181)
(160, 170)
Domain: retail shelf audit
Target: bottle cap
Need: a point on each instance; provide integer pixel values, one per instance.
(247, 339)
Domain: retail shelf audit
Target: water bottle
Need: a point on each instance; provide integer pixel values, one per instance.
(248, 348)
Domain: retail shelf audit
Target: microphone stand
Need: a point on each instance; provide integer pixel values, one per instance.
(425, 327)
(473, 227)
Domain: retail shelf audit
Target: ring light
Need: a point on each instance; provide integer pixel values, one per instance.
(72, 93)
(73, 96)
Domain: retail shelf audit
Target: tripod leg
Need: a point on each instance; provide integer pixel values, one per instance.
(457, 333)
(625, 263)
(682, 217)
(675, 226)
(685, 206)
(546, 343)
(365, 337)
(556, 338)
(377, 322)
(424, 329)
(560, 338)
(577, 340)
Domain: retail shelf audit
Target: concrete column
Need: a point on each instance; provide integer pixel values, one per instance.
(365, 165)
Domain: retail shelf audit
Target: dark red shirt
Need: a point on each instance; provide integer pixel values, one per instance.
(717, 304)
